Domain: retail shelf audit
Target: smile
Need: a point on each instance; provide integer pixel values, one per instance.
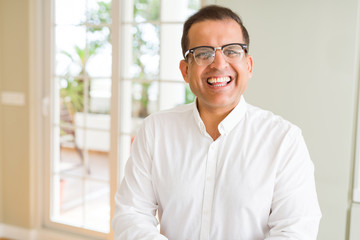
(219, 81)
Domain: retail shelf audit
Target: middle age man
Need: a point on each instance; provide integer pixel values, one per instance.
(219, 168)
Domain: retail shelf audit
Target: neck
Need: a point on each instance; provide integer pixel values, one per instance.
(212, 118)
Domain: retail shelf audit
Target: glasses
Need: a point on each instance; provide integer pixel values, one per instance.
(205, 55)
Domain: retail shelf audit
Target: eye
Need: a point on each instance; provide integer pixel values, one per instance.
(232, 52)
(203, 55)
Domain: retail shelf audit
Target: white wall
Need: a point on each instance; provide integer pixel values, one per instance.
(306, 71)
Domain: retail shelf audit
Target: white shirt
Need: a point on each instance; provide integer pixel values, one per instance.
(256, 181)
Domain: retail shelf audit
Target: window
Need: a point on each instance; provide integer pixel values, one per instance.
(104, 75)
(81, 92)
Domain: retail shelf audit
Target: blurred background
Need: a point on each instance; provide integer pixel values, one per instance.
(77, 77)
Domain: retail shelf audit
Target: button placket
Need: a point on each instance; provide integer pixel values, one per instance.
(208, 191)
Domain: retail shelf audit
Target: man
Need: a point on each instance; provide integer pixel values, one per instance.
(219, 168)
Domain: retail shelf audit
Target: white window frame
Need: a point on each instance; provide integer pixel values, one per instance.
(47, 105)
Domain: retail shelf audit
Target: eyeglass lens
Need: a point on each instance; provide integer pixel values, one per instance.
(206, 55)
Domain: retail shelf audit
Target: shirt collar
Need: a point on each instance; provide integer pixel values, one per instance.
(197, 118)
(234, 117)
(230, 120)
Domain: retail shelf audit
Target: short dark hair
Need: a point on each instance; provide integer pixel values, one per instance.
(211, 12)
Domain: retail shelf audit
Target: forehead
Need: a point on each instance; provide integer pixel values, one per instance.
(215, 33)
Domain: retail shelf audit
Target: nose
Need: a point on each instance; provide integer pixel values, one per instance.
(219, 60)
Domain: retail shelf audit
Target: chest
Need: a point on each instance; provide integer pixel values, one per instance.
(225, 169)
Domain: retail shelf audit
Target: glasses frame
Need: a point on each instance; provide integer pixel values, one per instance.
(192, 50)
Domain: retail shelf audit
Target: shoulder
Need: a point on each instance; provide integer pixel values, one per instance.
(270, 123)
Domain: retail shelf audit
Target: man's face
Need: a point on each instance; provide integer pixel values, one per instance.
(218, 86)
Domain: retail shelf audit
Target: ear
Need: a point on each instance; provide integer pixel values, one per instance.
(184, 70)
(250, 65)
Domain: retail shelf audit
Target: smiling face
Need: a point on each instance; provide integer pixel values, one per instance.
(219, 85)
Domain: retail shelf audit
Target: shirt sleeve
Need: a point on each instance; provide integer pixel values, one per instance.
(135, 201)
(295, 212)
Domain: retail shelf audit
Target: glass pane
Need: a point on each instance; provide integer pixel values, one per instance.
(99, 52)
(146, 10)
(70, 11)
(145, 99)
(142, 59)
(99, 11)
(93, 131)
(71, 155)
(125, 145)
(171, 43)
(97, 206)
(69, 209)
(178, 10)
(194, 5)
(99, 165)
(71, 92)
(90, 121)
(171, 95)
(70, 51)
(100, 96)
(146, 45)
(125, 105)
(189, 96)
(95, 139)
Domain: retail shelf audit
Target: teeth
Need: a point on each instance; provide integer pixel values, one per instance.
(219, 80)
